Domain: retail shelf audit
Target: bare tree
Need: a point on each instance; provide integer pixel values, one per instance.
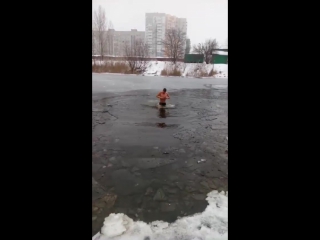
(93, 48)
(136, 55)
(100, 24)
(174, 43)
(207, 49)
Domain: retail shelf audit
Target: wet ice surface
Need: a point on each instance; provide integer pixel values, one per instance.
(145, 160)
(102, 83)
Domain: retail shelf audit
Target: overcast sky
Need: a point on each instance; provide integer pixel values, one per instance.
(206, 18)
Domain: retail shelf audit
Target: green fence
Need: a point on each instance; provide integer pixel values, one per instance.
(199, 58)
(193, 58)
(219, 59)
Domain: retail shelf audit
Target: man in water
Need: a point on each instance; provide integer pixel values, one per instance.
(163, 96)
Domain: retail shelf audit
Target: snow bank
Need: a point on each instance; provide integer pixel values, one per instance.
(187, 69)
(211, 224)
(155, 68)
(222, 70)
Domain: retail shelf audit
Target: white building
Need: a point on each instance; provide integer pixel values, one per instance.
(116, 40)
(156, 25)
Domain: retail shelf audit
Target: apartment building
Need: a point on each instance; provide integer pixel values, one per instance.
(115, 41)
(156, 26)
(155, 32)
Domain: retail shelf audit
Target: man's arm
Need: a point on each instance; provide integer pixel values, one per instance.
(168, 97)
(158, 96)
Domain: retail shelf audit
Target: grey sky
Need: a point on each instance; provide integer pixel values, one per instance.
(206, 18)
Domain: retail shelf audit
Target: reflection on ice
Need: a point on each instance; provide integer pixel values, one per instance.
(162, 113)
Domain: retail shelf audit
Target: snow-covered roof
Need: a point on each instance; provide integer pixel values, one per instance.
(221, 53)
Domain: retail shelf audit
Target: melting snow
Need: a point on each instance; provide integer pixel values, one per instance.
(211, 224)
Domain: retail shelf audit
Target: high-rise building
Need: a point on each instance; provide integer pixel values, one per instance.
(155, 32)
(156, 26)
(188, 46)
(182, 24)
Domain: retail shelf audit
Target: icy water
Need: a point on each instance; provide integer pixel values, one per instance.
(157, 164)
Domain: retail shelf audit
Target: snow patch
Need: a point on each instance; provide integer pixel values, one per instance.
(222, 70)
(155, 68)
(116, 224)
(209, 225)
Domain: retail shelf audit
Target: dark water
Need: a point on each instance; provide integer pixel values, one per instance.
(147, 158)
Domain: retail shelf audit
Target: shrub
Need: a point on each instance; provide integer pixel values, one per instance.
(111, 67)
(171, 72)
(212, 73)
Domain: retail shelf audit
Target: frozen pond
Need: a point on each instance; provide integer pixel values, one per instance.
(121, 83)
(152, 164)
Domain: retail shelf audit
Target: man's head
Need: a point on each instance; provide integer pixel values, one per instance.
(164, 90)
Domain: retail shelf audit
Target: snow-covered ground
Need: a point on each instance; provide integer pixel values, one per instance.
(211, 224)
(187, 69)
